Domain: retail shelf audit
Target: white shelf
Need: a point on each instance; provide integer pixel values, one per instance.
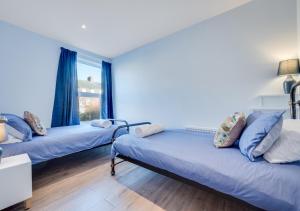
(277, 95)
(274, 95)
(261, 108)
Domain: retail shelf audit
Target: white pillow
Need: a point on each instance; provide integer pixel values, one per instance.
(11, 140)
(13, 132)
(269, 140)
(147, 130)
(287, 148)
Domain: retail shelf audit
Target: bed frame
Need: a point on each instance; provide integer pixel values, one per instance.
(125, 125)
(167, 173)
(113, 164)
(120, 120)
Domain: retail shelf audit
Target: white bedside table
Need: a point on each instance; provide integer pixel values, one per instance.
(15, 181)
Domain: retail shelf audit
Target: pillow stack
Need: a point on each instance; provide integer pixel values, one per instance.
(17, 127)
(22, 130)
(260, 133)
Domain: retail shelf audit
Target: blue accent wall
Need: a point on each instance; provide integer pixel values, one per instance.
(28, 67)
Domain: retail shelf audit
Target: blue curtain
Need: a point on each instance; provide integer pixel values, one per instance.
(106, 97)
(66, 109)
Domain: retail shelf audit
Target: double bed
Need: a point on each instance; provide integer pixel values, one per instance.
(191, 156)
(61, 141)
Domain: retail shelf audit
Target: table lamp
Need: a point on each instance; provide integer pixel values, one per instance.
(288, 67)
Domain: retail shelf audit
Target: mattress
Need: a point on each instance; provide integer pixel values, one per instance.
(61, 141)
(192, 155)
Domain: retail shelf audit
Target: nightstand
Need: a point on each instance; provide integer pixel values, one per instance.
(15, 181)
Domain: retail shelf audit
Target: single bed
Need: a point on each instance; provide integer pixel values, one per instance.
(61, 141)
(192, 156)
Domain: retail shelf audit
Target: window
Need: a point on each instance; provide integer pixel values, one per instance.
(89, 90)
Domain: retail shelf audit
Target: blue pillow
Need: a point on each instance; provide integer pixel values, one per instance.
(250, 119)
(20, 125)
(256, 131)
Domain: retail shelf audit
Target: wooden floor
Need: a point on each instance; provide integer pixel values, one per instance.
(82, 182)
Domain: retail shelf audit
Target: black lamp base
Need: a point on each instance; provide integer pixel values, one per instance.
(288, 84)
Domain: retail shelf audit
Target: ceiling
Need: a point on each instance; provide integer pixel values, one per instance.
(113, 27)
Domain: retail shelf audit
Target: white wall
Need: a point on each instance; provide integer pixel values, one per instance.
(204, 73)
(28, 67)
(298, 25)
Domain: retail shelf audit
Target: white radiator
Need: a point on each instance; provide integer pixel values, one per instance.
(199, 129)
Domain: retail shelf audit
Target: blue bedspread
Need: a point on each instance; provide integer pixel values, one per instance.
(193, 156)
(60, 141)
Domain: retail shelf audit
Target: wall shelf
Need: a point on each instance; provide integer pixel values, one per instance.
(273, 103)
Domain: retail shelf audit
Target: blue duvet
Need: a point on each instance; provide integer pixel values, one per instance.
(193, 156)
(60, 141)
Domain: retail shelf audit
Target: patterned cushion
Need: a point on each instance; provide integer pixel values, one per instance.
(230, 130)
(35, 123)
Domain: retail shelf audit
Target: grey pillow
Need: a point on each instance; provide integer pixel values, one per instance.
(269, 140)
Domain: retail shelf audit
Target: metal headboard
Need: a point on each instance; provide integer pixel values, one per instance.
(120, 120)
(293, 102)
(114, 136)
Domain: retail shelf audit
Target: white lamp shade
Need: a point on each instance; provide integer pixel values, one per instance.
(3, 132)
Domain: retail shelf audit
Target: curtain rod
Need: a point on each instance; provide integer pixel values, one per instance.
(95, 58)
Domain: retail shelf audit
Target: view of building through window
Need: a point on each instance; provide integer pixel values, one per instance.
(89, 89)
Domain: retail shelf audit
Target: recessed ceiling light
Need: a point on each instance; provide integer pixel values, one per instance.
(83, 26)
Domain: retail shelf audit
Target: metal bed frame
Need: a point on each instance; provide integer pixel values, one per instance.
(293, 103)
(165, 172)
(120, 120)
(126, 125)
(113, 164)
